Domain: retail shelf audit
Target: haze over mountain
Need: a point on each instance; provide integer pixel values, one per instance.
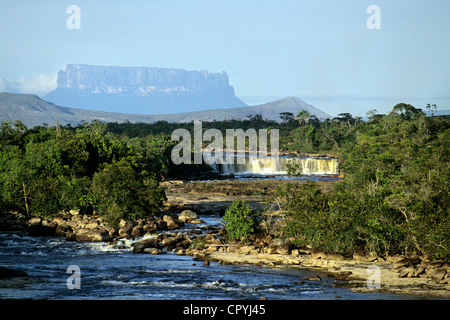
(32, 111)
(142, 90)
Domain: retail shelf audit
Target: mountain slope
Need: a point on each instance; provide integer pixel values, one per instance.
(32, 111)
(269, 111)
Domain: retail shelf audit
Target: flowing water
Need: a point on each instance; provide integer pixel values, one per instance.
(311, 166)
(117, 273)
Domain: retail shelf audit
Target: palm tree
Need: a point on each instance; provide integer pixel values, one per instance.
(302, 115)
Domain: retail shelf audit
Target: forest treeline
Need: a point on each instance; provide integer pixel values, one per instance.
(394, 198)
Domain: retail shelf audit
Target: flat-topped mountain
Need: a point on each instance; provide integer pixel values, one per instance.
(32, 111)
(142, 90)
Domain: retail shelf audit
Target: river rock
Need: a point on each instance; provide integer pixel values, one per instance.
(318, 254)
(88, 235)
(187, 216)
(92, 225)
(112, 231)
(62, 229)
(170, 222)
(172, 225)
(34, 225)
(336, 256)
(435, 264)
(125, 224)
(184, 244)
(150, 227)
(402, 263)
(137, 231)
(167, 218)
(342, 275)
(372, 256)
(437, 274)
(312, 278)
(139, 247)
(160, 224)
(36, 221)
(70, 236)
(153, 251)
(419, 271)
(58, 219)
(169, 241)
(74, 212)
(125, 227)
(246, 249)
(280, 246)
(406, 272)
(73, 224)
(196, 221)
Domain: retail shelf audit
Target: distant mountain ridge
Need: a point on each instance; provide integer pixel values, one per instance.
(269, 111)
(33, 111)
(142, 90)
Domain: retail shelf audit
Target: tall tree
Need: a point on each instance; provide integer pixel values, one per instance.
(302, 116)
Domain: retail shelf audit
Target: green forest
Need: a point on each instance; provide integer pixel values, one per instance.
(393, 199)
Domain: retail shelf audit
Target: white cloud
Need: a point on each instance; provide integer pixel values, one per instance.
(40, 85)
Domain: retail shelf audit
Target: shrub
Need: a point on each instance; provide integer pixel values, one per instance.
(240, 220)
(122, 192)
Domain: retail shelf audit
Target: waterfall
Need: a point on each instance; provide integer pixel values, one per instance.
(278, 166)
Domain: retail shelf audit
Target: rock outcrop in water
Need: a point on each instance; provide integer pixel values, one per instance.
(91, 228)
(77, 227)
(142, 90)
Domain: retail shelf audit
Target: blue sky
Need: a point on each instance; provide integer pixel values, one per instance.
(320, 51)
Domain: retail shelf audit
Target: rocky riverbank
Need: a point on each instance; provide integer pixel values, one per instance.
(413, 276)
(77, 227)
(173, 232)
(416, 276)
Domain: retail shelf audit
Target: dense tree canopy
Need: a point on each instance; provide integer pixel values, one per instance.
(394, 197)
(46, 170)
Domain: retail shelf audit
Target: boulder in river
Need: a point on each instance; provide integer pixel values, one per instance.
(62, 229)
(187, 216)
(172, 223)
(125, 228)
(88, 235)
(281, 246)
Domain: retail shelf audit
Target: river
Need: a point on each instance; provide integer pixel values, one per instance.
(117, 273)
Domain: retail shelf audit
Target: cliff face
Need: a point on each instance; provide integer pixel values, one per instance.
(142, 89)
